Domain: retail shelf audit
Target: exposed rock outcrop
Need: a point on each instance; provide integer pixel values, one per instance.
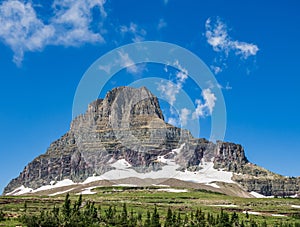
(128, 124)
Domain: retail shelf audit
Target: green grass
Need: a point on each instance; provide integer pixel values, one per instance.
(142, 199)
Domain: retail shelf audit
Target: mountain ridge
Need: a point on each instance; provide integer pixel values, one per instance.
(128, 124)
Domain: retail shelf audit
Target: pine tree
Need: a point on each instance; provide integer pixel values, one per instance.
(148, 220)
(132, 222)
(2, 218)
(169, 221)
(66, 209)
(234, 219)
(124, 215)
(155, 218)
(140, 219)
(77, 205)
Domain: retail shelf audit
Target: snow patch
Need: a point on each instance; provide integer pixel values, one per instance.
(278, 215)
(61, 192)
(178, 150)
(23, 190)
(121, 164)
(124, 185)
(172, 190)
(20, 191)
(59, 184)
(93, 179)
(224, 205)
(295, 206)
(252, 212)
(213, 185)
(257, 195)
(161, 185)
(206, 175)
(87, 191)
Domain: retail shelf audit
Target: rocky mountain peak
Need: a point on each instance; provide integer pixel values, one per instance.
(122, 107)
(127, 126)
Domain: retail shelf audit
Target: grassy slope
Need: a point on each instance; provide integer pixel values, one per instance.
(140, 199)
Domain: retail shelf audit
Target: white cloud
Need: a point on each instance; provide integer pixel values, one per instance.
(138, 34)
(170, 89)
(172, 121)
(216, 69)
(200, 109)
(161, 24)
(206, 108)
(72, 20)
(210, 99)
(182, 73)
(245, 49)
(217, 36)
(22, 29)
(106, 68)
(228, 87)
(184, 115)
(131, 67)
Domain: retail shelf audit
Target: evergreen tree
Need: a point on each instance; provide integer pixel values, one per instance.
(66, 209)
(124, 215)
(169, 220)
(148, 220)
(139, 219)
(155, 218)
(132, 222)
(234, 219)
(2, 218)
(77, 205)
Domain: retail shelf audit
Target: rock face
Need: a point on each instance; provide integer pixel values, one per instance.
(128, 124)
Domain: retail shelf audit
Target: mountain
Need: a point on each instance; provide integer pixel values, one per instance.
(124, 138)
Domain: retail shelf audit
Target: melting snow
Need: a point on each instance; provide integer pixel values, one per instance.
(59, 184)
(23, 190)
(213, 185)
(61, 192)
(121, 164)
(87, 191)
(224, 205)
(20, 190)
(252, 212)
(278, 215)
(178, 150)
(206, 175)
(172, 190)
(257, 195)
(124, 185)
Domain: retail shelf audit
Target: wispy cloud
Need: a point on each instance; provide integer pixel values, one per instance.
(172, 121)
(23, 30)
(161, 24)
(126, 61)
(170, 89)
(184, 116)
(217, 36)
(138, 34)
(205, 108)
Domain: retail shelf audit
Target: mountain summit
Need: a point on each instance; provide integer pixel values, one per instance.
(124, 137)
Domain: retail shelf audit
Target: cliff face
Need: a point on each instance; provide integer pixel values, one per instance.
(128, 124)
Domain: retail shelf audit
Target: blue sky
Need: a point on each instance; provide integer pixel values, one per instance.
(252, 47)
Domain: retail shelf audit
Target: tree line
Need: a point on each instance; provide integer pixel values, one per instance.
(83, 214)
